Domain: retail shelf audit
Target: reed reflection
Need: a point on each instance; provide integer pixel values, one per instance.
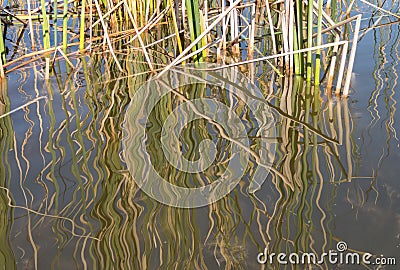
(89, 209)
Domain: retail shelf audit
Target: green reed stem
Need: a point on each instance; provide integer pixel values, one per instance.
(82, 27)
(333, 13)
(309, 39)
(46, 37)
(2, 52)
(176, 29)
(55, 19)
(298, 39)
(65, 25)
(2, 47)
(319, 41)
(194, 22)
(296, 57)
(45, 26)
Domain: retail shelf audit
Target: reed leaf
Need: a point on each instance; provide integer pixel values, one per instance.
(65, 26)
(319, 42)
(309, 39)
(82, 26)
(2, 52)
(45, 26)
(194, 21)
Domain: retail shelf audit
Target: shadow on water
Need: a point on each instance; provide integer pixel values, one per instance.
(67, 200)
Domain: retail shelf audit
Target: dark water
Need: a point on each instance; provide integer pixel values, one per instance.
(68, 201)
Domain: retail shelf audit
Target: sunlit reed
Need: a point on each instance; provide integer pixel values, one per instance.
(210, 31)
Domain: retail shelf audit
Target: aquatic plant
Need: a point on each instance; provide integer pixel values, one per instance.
(306, 38)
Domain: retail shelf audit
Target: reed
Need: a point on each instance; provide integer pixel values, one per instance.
(319, 42)
(65, 26)
(45, 26)
(194, 21)
(2, 52)
(309, 28)
(228, 32)
(55, 22)
(82, 25)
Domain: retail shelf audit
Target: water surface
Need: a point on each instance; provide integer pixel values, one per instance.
(68, 201)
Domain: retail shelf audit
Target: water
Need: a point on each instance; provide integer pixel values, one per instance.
(74, 204)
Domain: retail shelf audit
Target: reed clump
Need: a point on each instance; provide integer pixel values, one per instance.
(296, 37)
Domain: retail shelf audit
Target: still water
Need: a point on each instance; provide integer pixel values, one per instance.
(68, 201)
